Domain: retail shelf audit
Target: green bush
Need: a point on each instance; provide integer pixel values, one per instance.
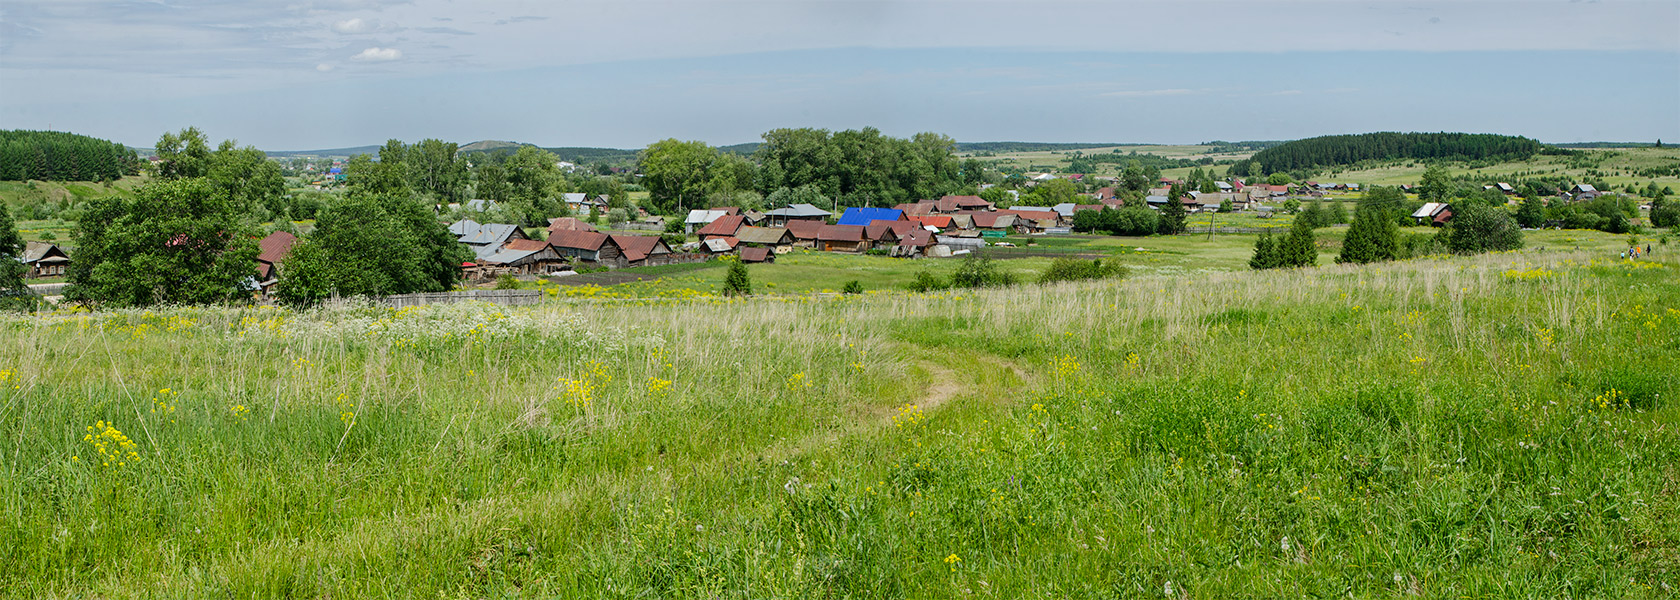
(1073, 269)
(926, 281)
(976, 271)
(853, 287)
(507, 282)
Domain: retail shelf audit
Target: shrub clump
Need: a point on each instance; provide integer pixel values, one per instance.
(1073, 269)
(737, 283)
(976, 271)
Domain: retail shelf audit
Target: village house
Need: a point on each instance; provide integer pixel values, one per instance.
(700, 218)
(864, 215)
(951, 204)
(804, 232)
(914, 244)
(1433, 213)
(485, 239)
(934, 221)
(777, 239)
(887, 233)
(842, 238)
(270, 251)
(569, 224)
(797, 212)
(1034, 221)
(582, 204)
(587, 246)
(44, 259)
(724, 226)
(523, 257)
(643, 250)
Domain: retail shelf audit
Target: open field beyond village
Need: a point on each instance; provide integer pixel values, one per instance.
(1501, 425)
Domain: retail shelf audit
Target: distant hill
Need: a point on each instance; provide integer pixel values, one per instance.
(1030, 146)
(1334, 150)
(490, 145)
(1604, 145)
(374, 150)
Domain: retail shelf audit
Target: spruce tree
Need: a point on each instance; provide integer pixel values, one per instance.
(1314, 215)
(1338, 212)
(1373, 237)
(1265, 253)
(1172, 216)
(1298, 249)
(737, 283)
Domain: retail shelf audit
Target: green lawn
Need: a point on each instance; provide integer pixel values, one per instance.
(1499, 426)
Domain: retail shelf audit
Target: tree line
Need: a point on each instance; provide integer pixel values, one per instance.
(1332, 150)
(60, 156)
(849, 168)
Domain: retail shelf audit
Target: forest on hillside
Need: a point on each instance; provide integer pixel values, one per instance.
(1332, 150)
(60, 156)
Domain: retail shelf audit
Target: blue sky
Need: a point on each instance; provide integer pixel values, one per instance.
(330, 74)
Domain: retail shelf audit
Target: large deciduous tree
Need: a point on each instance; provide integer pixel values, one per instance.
(372, 245)
(177, 242)
(677, 173)
(183, 154)
(1476, 227)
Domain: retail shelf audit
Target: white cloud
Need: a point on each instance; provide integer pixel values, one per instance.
(377, 54)
(353, 25)
(1145, 93)
(323, 67)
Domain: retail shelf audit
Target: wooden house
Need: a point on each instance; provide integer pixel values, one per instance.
(270, 251)
(523, 257)
(804, 232)
(44, 259)
(568, 224)
(724, 226)
(587, 246)
(776, 238)
(643, 250)
(797, 212)
(842, 238)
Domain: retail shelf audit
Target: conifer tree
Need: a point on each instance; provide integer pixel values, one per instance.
(1265, 253)
(1298, 249)
(1338, 212)
(1373, 237)
(737, 283)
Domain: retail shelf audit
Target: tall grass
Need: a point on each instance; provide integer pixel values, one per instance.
(1491, 426)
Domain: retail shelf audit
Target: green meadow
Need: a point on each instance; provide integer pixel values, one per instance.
(1492, 426)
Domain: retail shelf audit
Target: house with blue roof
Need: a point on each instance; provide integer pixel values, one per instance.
(862, 216)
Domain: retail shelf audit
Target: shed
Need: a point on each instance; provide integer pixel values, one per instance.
(569, 224)
(270, 251)
(718, 245)
(757, 255)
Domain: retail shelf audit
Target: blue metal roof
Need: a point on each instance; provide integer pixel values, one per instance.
(859, 215)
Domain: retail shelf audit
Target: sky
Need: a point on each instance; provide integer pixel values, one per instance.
(315, 74)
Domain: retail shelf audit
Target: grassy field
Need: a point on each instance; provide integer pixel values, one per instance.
(15, 193)
(805, 272)
(1495, 426)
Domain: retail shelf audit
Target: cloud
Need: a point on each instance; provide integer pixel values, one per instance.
(522, 19)
(353, 25)
(1147, 93)
(323, 67)
(444, 30)
(377, 54)
(1285, 93)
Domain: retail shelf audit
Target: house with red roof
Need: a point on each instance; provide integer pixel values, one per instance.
(587, 246)
(643, 250)
(724, 226)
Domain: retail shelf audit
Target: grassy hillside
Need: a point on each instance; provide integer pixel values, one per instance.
(1494, 426)
(17, 193)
